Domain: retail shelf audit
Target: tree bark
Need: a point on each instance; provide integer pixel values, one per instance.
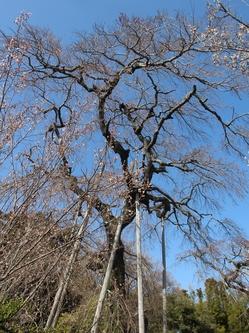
(119, 269)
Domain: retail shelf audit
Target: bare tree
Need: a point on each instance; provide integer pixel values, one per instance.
(146, 89)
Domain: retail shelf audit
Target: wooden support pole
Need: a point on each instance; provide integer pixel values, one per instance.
(141, 326)
(66, 274)
(107, 278)
(164, 278)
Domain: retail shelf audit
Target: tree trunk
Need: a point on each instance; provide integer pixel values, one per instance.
(60, 294)
(119, 269)
(164, 279)
(141, 326)
(107, 278)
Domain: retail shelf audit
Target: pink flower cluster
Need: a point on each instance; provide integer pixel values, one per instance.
(22, 18)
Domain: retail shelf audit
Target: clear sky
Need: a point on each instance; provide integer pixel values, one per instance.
(66, 17)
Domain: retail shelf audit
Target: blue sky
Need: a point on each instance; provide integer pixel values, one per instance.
(66, 17)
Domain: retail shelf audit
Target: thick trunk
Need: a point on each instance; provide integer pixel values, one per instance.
(119, 269)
